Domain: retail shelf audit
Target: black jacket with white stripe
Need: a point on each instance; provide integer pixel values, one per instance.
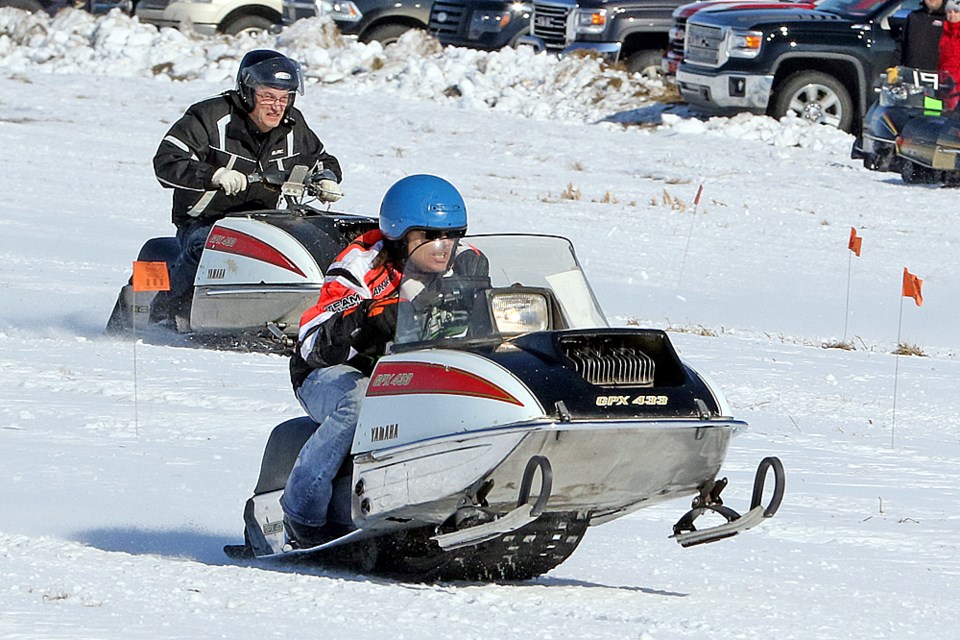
(217, 132)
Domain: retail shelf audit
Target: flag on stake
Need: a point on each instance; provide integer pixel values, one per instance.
(911, 287)
(855, 241)
(150, 276)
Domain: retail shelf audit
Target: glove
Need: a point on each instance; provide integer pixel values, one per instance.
(230, 180)
(382, 317)
(329, 191)
(378, 326)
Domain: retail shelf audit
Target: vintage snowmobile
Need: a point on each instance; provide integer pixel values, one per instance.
(258, 273)
(905, 94)
(928, 148)
(506, 418)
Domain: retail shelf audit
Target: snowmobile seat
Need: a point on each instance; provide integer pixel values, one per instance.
(281, 452)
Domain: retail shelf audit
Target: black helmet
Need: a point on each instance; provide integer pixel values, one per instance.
(265, 68)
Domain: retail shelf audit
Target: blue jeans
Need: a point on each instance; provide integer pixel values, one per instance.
(332, 397)
(183, 271)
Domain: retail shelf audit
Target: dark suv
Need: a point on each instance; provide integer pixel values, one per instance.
(381, 20)
(480, 24)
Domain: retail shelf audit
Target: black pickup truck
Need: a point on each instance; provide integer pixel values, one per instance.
(632, 31)
(822, 64)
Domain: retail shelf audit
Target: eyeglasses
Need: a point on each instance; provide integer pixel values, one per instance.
(269, 100)
(437, 234)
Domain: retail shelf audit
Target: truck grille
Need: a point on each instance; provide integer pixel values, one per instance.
(550, 23)
(445, 18)
(703, 45)
(610, 360)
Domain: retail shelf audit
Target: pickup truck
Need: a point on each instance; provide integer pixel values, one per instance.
(678, 30)
(480, 24)
(368, 20)
(630, 31)
(820, 64)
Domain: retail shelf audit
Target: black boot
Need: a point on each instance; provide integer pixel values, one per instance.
(305, 536)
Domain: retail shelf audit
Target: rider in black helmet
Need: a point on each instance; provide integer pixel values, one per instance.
(207, 155)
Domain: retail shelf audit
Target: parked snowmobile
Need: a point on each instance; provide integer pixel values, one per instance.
(506, 419)
(259, 271)
(905, 94)
(928, 148)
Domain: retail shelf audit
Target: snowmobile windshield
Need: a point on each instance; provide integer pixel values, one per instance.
(492, 288)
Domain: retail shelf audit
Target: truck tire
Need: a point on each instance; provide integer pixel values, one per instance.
(24, 5)
(645, 62)
(246, 24)
(816, 97)
(385, 33)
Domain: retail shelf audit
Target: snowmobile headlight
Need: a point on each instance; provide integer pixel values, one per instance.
(744, 44)
(516, 313)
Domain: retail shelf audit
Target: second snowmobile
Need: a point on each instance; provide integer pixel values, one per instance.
(258, 272)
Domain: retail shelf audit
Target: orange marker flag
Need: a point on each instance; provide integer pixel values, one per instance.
(150, 276)
(911, 287)
(855, 241)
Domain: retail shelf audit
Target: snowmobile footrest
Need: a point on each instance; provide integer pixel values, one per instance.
(512, 521)
(747, 521)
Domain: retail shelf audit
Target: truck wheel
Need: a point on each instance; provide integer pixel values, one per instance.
(251, 25)
(385, 33)
(23, 5)
(816, 97)
(646, 63)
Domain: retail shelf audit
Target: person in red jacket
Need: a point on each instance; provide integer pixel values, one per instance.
(422, 218)
(949, 66)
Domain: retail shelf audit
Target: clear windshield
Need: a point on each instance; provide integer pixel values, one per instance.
(493, 287)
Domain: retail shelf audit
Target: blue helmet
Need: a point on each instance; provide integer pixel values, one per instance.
(421, 202)
(265, 68)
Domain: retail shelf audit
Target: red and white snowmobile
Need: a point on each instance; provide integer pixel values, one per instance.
(258, 273)
(505, 420)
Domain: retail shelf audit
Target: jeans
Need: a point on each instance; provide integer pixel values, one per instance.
(332, 397)
(183, 271)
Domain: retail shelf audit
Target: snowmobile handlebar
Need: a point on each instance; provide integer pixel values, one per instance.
(296, 182)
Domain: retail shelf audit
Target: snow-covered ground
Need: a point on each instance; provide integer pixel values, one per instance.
(125, 466)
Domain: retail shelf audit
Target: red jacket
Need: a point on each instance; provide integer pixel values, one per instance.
(329, 328)
(950, 50)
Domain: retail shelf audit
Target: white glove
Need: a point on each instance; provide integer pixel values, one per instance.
(230, 180)
(330, 191)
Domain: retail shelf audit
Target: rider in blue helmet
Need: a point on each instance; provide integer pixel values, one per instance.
(422, 202)
(422, 219)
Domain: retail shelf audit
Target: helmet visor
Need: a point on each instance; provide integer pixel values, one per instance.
(275, 73)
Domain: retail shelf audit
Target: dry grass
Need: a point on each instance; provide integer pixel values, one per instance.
(674, 203)
(571, 193)
(906, 349)
(839, 344)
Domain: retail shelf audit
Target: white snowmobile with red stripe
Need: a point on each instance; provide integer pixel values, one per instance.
(259, 270)
(506, 419)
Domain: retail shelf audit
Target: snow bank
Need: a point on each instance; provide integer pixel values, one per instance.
(577, 88)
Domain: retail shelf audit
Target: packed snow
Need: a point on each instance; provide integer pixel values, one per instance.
(127, 463)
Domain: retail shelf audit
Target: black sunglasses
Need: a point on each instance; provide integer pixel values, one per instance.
(437, 234)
